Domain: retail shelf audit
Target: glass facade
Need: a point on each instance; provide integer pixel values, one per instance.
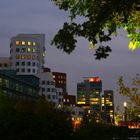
(19, 86)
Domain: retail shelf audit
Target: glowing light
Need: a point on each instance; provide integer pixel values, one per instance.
(29, 49)
(17, 42)
(23, 42)
(94, 79)
(34, 50)
(29, 43)
(98, 79)
(34, 43)
(125, 104)
(91, 79)
(80, 102)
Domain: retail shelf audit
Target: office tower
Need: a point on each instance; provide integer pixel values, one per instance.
(27, 53)
(108, 106)
(88, 93)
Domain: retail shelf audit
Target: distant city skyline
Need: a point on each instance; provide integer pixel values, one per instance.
(44, 17)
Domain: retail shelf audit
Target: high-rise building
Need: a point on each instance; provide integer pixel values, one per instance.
(108, 106)
(88, 93)
(27, 53)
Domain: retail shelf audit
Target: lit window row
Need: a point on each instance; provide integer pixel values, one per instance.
(23, 50)
(33, 57)
(81, 102)
(94, 103)
(23, 43)
(94, 99)
(61, 77)
(66, 100)
(61, 82)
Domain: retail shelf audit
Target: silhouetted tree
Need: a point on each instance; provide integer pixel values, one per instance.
(100, 20)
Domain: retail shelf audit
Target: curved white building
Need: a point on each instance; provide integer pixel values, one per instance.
(47, 86)
(27, 53)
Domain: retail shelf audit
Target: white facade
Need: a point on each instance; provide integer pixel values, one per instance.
(47, 86)
(27, 53)
(59, 93)
(4, 63)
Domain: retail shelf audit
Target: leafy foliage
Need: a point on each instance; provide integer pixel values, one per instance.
(101, 19)
(32, 120)
(133, 94)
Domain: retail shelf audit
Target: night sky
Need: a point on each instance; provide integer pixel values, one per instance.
(42, 16)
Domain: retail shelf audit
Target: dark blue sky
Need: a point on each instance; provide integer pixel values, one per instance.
(41, 16)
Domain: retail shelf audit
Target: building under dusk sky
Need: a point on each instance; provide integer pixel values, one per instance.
(43, 17)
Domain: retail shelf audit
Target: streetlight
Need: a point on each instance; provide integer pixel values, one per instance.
(125, 111)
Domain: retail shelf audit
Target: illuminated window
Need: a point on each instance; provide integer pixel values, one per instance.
(17, 56)
(17, 43)
(28, 56)
(34, 50)
(29, 49)
(29, 43)
(22, 56)
(23, 43)
(34, 43)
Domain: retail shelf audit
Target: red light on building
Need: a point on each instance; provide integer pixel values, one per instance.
(98, 79)
(94, 79)
(91, 79)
